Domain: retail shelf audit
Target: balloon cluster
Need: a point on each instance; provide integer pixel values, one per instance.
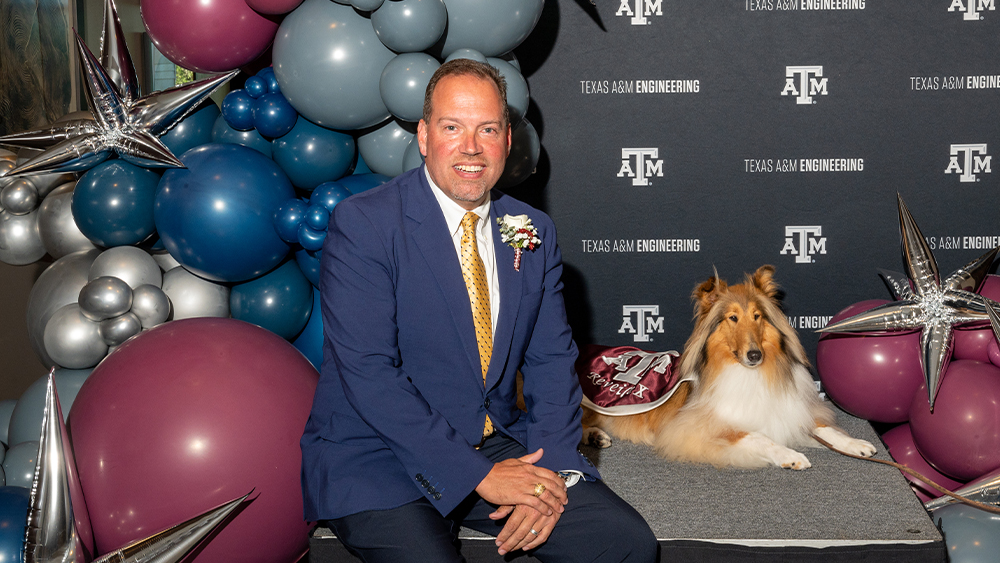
(259, 105)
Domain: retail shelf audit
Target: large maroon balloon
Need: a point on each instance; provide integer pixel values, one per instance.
(971, 342)
(899, 441)
(207, 35)
(870, 375)
(187, 416)
(962, 437)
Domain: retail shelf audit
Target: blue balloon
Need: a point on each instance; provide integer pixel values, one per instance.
(14, 503)
(329, 195)
(311, 239)
(317, 217)
(273, 116)
(255, 86)
(113, 203)
(223, 133)
(287, 219)
(279, 301)
(237, 108)
(310, 154)
(216, 217)
(26, 419)
(310, 340)
(309, 264)
(358, 183)
(267, 73)
(361, 167)
(194, 130)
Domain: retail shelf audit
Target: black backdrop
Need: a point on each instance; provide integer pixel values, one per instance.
(728, 140)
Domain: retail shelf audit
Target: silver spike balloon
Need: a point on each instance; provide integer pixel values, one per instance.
(47, 136)
(115, 57)
(58, 526)
(933, 306)
(898, 284)
(985, 489)
(994, 320)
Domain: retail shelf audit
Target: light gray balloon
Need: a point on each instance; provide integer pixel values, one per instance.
(471, 54)
(366, 5)
(517, 89)
(26, 418)
(151, 305)
(105, 297)
(383, 148)
(488, 26)
(20, 243)
(191, 296)
(403, 83)
(409, 26)
(412, 157)
(165, 260)
(525, 150)
(56, 225)
(19, 197)
(328, 62)
(72, 340)
(59, 285)
(132, 265)
(119, 329)
(19, 464)
(6, 410)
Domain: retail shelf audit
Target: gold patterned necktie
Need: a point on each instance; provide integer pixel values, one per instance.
(479, 295)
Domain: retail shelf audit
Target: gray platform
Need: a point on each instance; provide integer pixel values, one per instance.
(841, 509)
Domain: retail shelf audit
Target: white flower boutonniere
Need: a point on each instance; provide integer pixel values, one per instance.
(518, 232)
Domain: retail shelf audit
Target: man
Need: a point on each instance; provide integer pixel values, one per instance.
(414, 428)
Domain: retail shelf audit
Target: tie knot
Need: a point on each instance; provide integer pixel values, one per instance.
(469, 222)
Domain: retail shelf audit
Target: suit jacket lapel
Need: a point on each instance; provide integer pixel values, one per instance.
(510, 281)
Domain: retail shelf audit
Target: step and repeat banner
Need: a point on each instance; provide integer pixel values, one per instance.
(682, 135)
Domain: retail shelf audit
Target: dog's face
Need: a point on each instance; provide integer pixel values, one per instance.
(740, 329)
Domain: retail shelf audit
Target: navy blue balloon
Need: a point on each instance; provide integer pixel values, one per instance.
(255, 86)
(223, 133)
(273, 116)
(113, 203)
(194, 130)
(237, 108)
(309, 264)
(310, 340)
(317, 217)
(287, 219)
(329, 195)
(310, 154)
(311, 239)
(267, 74)
(216, 217)
(361, 167)
(358, 183)
(279, 301)
(13, 521)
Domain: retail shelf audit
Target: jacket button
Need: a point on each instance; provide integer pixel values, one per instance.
(431, 490)
(486, 403)
(437, 496)
(425, 483)
(420, 477)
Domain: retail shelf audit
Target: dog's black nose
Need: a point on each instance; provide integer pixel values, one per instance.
(754, 356)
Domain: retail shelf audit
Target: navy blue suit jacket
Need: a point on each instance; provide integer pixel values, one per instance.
(401, 403)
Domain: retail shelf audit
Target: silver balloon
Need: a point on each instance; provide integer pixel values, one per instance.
(56, 225)
(45, 183)
(20, 243)
(132, 265)
(19, 197)
(403, 83)
(59, 285)
(985, 489)
(408, 26)
(105, 297)
(72, 340)
(383, 148)
(165, 260)
(151, 305)
(115, 58)
(517, 89)
(191, 296)
(119, 329)
(6, 165)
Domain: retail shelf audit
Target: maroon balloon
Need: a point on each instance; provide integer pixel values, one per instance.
(962, 437)
(870, 375)
(273, 6)
(187, 416)
(899, 441)
(991, 287)
(993, 352)
(207, 35)
(971, 342)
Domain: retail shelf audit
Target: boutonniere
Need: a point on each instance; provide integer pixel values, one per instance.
(518, 232)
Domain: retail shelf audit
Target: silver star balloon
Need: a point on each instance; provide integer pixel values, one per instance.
(931, 305)
(115, 57)
(986, 490)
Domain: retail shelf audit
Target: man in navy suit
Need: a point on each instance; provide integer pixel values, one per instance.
(408, 437)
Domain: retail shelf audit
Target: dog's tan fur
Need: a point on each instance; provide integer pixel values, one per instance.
(751, 399)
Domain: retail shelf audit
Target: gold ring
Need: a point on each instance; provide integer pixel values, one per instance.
(539, 489)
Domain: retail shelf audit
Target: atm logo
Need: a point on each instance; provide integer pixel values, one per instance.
(967, 160)
(641, 165)
(804, 243)
(640, 10)
(647, 321)
(804, 82)
(972, 9)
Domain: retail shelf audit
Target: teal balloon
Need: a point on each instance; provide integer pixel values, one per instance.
(310, 341)
(488, 26)
(464, 53)
(972, 535)
(309, 264)
(19, 465)
(193, 130)
(403, 83)
(329, 61)
(287, 219)
(279, 301)
(360, 167)
(366, 5)
(358, 183)
(525, 149)
(113, 203)
(517, 89)
(329, 195)
(224, 134)
(311, 155)
(6, 410)
(412, 157)
(408, 26)
(26, 418)
(14, 503)
(237, 109)
(384, 146)
(273, 116)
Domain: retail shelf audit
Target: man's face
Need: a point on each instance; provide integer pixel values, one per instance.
(464, 142)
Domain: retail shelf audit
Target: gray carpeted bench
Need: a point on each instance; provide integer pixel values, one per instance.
(841, 509)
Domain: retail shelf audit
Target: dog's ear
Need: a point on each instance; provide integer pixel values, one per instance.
(763, 280)
(706, 294)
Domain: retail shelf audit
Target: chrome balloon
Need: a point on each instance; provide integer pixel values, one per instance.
(151, 305)
(119, 329)
(165, 260)
(115, 58)
(19, 197)
(985, 489)
(58, 286)
(132, 265)
(20, 242)
(56, 225)
(72, 340)
(192, 296)
(105, 297)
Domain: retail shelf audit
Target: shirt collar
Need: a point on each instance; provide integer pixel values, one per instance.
(453, 212)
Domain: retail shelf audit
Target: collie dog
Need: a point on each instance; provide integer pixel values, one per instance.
(751, 398)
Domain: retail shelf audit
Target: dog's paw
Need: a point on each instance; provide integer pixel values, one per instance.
(596, 437)
(859, 447)
(792, 459)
